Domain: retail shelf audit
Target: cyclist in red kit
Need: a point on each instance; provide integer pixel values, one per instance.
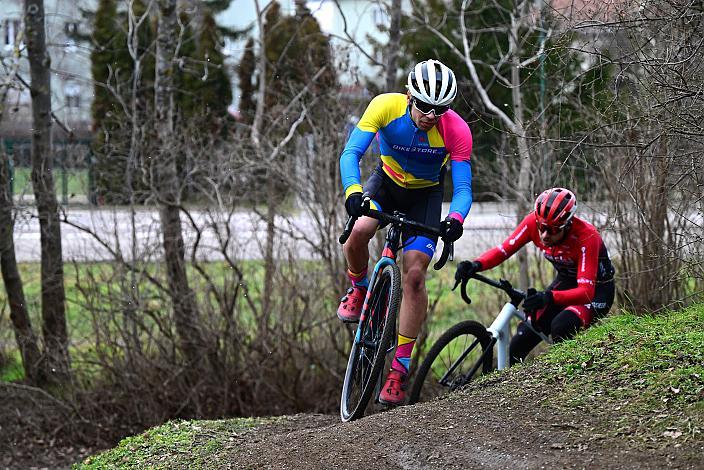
(583, 289)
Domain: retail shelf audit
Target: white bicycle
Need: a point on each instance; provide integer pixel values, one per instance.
(466, 350)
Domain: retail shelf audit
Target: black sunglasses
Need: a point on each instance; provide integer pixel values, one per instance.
(551, 230)
(426, 108)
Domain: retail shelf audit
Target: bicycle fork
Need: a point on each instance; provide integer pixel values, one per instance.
(499, 330)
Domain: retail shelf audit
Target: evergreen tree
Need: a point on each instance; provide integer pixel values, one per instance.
(203, 92)
(215, 85)
(112, 69)
(245, 72)
(203, 85)
(109, 58)
(296, 51)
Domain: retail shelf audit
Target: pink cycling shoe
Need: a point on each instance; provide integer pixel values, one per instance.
(350, 307)
(394, 391)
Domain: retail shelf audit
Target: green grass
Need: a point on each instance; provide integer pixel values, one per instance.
(12, 370)
(631, 377)
(106, 278)
(646, 371)
(77, 181)
(176, 444)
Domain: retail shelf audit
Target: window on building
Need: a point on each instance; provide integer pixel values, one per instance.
(11, 29)
(381, 17)
(72, 92)
(71, 28)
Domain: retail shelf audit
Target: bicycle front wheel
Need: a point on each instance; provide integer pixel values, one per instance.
(462, 353)
(373, 340)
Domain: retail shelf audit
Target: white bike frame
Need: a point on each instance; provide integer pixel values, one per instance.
(499, 330)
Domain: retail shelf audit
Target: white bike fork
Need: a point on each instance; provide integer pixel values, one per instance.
(500, 331)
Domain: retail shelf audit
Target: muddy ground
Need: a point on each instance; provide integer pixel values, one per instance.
(506, 422)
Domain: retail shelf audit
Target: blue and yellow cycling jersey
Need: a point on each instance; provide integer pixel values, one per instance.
(411, 157)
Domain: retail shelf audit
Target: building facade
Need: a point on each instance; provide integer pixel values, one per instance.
(348, 22)
(71, 83)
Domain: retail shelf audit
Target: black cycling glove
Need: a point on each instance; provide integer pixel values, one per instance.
(538, 300)
(451, 229)
(467, 269)
(353, 205)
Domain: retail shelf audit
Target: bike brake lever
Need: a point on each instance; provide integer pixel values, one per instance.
(447, 253)
(463, 292)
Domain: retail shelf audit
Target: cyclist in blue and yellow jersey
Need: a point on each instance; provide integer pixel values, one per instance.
(418, 134)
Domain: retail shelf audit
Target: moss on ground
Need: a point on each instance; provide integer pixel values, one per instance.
(176, 444)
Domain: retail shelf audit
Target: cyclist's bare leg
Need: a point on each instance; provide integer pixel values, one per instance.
(356, 248)
(414, 304)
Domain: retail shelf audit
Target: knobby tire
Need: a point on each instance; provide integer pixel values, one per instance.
(468, 338)
(367, 358)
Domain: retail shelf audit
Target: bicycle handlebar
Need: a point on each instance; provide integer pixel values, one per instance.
(447, 249)
(516, 295)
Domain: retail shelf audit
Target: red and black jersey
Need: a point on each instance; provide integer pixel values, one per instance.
(581, 256)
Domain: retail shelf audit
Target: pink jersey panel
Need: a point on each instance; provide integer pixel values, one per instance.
(456, 134)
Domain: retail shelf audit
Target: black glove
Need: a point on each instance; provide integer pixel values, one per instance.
(353, 204)
(451, 229)
(537, 300)
(467, 269)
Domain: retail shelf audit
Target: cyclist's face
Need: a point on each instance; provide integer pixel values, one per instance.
(551, 237)
(425, 122)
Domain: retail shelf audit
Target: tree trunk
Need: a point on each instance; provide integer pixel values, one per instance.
(182, 297)
(524, 182)
(52, 272)
(24, 334)
(393, 47)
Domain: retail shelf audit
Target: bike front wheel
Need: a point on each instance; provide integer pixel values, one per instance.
(373, 340)
(462, 353)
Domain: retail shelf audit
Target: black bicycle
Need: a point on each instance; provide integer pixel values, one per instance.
(466, 350)
(375, 337)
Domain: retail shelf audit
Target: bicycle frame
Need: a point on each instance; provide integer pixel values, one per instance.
(500, 327)
(499, 330)
(374, 337)
(388, 256)
(450, 364)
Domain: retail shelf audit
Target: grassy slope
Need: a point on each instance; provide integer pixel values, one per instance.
(636, 377)
(645, 373)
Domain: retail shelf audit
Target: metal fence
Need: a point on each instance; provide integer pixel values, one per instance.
(73, 177)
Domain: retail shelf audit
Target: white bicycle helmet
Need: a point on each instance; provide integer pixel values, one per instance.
(432, 82)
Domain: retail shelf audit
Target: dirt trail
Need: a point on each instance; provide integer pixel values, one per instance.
(504, 422)
(475, 429)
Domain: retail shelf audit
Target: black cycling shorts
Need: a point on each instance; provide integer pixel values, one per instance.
(422, 205)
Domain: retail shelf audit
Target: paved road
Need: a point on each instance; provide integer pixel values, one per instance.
(103, 233)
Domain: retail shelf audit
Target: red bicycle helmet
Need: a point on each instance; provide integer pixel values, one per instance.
(555, 207)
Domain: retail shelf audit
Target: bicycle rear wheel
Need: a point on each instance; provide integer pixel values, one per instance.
(373, 340)
(462, 353)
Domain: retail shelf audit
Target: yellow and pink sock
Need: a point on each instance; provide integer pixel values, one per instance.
(358, 279)
(402, 358)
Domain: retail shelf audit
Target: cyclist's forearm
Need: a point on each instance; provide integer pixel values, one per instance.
(461, 189)
(492, 258)
(582, 295)
(497, 255)
(351, 156)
